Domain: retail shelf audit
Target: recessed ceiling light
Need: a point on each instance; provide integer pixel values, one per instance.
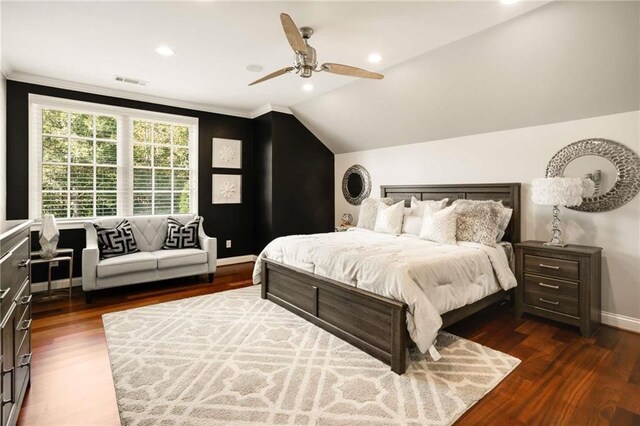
(508, 1)
(164, 50)
(254, 68)
(307, 87)
(374, 58)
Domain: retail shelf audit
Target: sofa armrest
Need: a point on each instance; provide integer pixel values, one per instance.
(90, 258)
(210, 245)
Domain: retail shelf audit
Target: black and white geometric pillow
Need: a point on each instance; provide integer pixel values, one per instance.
(116, 241)
(181, 236)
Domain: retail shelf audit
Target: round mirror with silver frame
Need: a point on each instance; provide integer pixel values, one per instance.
(614, 169)
(356, 184)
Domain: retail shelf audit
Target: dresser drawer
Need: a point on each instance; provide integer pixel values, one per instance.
(562, 305)
(14, 270)
(550, 286)
(552, 267)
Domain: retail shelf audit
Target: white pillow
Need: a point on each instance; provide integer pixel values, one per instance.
(440, 226)
(389, 218)
(411, 225)
(418, 207)
(369, 211)
(503, 223)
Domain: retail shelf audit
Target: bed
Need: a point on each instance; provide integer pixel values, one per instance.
(380, 322)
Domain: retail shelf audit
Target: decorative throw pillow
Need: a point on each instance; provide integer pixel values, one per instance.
(369, 211)
(389, 218)
(418, 207)
(116, 241)
(478, 221)
(440, 226)
(411, 224)
(181, 236)
(503, 223)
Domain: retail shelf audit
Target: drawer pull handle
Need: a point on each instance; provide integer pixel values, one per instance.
(24, 325)
(555, 287)
(25, 300)
(24, 263)
(555, 268)
(549, 302)
(26, 360)
(3, 293)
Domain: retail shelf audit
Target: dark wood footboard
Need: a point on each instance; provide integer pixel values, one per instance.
(372, 323)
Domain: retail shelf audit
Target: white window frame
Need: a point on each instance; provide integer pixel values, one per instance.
(125, 118)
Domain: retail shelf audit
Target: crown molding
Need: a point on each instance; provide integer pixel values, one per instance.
(87, 88)
(269, 108)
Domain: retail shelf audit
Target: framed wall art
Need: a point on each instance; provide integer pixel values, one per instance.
(227, 153)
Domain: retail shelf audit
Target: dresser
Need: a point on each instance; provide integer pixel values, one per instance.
(15, 312)
(559, 283)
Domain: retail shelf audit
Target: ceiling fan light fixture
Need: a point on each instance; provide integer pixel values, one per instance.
(164, 51)
(374, 58)
(254, 68)
(307, 87)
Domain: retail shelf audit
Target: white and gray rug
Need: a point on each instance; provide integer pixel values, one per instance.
(233, 358)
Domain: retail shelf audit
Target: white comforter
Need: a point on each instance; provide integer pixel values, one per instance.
(430, 278)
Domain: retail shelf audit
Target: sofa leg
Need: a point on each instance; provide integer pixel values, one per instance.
(211, 277)
(88, 297)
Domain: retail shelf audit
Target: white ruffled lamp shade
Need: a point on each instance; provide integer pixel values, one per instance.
(560, 191)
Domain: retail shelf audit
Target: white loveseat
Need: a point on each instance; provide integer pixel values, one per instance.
(151, 263)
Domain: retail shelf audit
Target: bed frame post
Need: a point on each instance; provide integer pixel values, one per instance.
(399, 340)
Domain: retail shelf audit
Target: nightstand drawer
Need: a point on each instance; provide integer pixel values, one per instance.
(550, 286)
(553, 267)
(552, 303)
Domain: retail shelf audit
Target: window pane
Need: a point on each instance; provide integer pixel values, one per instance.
(54, 177)
(106, 153)
(142, 179)
(106, 204)
(54, 122)
(54, 150)
(181, 157)
(181, 202)
(161, 156)
(180, 180)
(162, 133)
(81, 204)
(141, 155)
(55, 203)
(141, 203)
(162, 204)
(106, 178)
(181, 135)
(82, 125)
(81, 151)
(106, 127)
(162, 179)
(142, 131)
(81, 178)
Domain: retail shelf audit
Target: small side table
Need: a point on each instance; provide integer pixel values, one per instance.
(62, 255)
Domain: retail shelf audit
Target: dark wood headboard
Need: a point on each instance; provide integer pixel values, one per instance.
(508, 193)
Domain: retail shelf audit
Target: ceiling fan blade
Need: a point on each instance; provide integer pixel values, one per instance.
(293, 34)
(273, 75)
(350, 71)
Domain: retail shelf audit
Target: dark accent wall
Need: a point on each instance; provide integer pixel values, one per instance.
(294, 179)
(225, 222)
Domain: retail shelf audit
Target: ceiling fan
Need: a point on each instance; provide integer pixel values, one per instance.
(305, 62)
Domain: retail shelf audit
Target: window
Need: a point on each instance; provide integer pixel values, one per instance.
(91, 160)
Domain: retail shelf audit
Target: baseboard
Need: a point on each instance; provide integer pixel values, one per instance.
(621, 321)
(56, 284)
(237, 259)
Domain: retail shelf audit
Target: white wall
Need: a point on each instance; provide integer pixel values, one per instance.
(519, 156)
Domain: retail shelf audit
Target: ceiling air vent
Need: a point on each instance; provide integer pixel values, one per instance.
(131, 80)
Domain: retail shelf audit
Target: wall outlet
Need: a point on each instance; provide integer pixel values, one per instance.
(228, 243)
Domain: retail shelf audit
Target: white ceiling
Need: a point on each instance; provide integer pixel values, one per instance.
(91, 42)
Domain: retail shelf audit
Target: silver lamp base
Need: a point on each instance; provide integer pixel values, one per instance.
(555, 231)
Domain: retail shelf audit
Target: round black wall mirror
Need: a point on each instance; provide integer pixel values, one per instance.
(356, 184)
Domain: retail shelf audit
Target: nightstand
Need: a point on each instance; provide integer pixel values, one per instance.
(559, 283)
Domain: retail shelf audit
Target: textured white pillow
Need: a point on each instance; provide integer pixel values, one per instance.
(504, 223)
(369, 211)
(418, 207)
(411, 225)
(440, 225)
(389, 218)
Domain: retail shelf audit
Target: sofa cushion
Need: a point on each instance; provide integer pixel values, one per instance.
(135, 262)
(180, 257)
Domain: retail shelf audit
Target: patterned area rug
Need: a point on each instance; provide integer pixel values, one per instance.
(233, 358)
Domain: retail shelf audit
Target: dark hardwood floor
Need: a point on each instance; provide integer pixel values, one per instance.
(564, 379)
